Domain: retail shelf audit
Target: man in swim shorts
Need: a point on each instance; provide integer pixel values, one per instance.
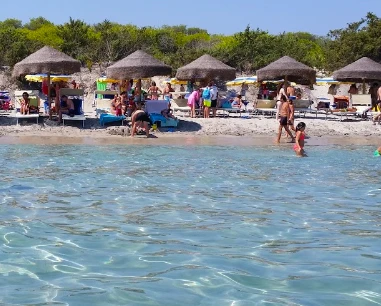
(139, 119)
(284, 117)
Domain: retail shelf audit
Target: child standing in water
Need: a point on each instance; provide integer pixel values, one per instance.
(299, 139)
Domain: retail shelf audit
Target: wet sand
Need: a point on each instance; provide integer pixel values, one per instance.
(185, 140)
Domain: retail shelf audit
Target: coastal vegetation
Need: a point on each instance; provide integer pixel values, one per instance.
(247, 51)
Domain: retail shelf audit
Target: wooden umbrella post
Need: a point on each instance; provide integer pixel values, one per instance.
(363, 87)
(49, 100)
(140, 91)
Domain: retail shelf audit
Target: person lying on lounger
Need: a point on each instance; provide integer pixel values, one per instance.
(67, 107)
(168, 113)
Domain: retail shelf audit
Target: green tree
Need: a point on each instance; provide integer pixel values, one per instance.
(11, 23)
(37, 23)
(78, 40)
(14, 46)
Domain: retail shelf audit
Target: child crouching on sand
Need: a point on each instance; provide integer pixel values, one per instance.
(299, 139)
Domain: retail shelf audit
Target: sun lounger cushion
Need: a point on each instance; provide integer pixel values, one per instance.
(107, 118)
(164, 122)
(226, 104)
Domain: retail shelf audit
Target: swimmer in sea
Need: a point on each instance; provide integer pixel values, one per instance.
(299, 139)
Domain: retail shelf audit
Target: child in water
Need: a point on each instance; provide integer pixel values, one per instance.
(377, 152)
(299, 139)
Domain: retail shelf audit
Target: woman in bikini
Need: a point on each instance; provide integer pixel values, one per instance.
(154, 91)
(116, 105)
(25, 104)
(167, 92)
(299, 139)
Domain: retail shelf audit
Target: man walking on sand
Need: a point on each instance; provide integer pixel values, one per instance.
(284, 117)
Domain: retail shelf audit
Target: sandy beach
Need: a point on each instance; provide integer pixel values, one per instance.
(256, 130)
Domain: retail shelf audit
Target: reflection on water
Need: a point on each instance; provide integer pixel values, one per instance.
(145, 225)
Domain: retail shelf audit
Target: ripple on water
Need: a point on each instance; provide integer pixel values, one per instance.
(118, 225)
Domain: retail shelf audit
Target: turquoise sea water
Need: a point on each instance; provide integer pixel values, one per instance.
(159, 225)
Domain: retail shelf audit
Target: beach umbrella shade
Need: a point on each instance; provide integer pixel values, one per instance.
(137, 65)
(206, 68)
(47, 60)
(242, 80)
(288, 69)
(359, 71)
(38, 78)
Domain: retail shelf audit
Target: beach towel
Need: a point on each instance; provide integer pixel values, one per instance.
(107, 118)
(77, 106)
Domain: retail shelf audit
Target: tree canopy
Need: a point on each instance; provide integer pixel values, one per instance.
(247, 51)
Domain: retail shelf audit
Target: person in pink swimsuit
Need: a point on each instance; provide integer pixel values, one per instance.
(299, 139)
(193, 100)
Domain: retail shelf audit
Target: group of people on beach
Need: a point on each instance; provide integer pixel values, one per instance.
(206, 100)
(286, 115)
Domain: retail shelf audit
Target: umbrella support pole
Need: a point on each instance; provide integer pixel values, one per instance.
(49, 100)
(363, 87)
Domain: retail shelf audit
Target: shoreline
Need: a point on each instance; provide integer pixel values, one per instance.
(232, 131)
(184, 140)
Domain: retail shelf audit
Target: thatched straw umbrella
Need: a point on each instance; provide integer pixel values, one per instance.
(288, 69)
(47, 60)
(137, 65)
(205, 68)
(359, 71)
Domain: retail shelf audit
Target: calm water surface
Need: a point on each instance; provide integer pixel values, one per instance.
(145, 225)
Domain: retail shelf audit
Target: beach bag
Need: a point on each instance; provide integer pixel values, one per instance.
(206, 94)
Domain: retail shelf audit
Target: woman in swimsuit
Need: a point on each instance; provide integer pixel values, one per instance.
(292, 115)
(280, 93)
(25, 103)
(167, 92)
(116, 105)
(299, 139)
(154, 91)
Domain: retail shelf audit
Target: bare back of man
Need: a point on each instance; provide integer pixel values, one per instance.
(290, 91)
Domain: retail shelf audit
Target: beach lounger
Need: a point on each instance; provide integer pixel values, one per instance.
(344, 112)
(108, 118)
(362, 103)
(34, 101)
(303, 107)
(265, 107)
(102, 101)
(153, 108)
(180, 105)
(77, 96)
(227, 108)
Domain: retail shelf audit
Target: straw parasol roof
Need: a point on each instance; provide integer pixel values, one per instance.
(137, 65)
(47, 60)
(205, 67)
(287, 67)
(359, 71)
